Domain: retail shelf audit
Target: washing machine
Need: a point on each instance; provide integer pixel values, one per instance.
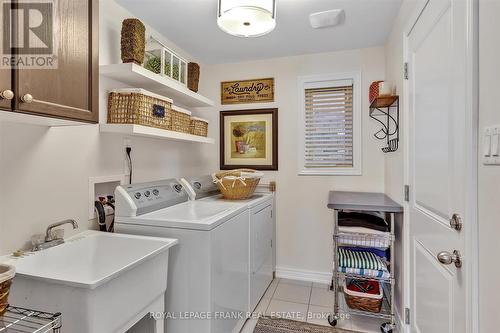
(209, 270)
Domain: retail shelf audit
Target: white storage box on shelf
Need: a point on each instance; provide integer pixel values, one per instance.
(163, 61)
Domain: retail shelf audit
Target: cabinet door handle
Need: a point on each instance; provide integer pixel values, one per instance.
(7, 94)
(27, 98)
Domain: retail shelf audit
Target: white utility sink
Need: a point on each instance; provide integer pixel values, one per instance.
(100, 282)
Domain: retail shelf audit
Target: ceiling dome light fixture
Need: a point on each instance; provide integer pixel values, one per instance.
(247, 18)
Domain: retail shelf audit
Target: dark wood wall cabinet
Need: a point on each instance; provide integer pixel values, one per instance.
(69, 89)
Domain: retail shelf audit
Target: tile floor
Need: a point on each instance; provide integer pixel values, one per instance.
(306, 301)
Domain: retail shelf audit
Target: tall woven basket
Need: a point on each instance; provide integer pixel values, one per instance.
(133, 41)
(193, 76)
(235, 187)
(7, 273)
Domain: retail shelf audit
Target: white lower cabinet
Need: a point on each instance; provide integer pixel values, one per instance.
(261, 251)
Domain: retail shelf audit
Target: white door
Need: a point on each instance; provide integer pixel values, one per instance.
(437, 165)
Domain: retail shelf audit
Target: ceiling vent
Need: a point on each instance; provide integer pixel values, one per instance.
(329, 18)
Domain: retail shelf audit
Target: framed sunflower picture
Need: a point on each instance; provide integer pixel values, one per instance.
(249, 139)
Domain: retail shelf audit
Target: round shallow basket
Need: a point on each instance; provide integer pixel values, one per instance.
(237, 184)
(7, 273)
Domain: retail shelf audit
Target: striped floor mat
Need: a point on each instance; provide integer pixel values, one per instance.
(273, 325)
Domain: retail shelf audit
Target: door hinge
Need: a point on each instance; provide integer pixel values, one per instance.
(271, 213)
(271, 243)
(407, 192)
(407, 316)
(406, 71)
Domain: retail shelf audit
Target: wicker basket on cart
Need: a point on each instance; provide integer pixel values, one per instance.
(364, 301)
(181, 120)
(139, 107)
(199, 126)
(237, 184)
(7, 273)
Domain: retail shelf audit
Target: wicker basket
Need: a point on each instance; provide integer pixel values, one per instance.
(234, 186)
(193, 76)
(361, 300)
(133, 41)
(139, 107)
(181, 120)
(7, 273)
(199, 126)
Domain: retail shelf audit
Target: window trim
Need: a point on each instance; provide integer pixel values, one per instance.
(305, 82)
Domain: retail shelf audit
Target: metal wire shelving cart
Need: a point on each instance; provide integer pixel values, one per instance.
(364, 202)
(23, 320)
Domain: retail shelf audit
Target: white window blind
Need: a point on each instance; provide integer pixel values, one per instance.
(329, 127)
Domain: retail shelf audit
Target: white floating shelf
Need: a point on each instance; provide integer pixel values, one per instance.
(139, 77)
(151, 132)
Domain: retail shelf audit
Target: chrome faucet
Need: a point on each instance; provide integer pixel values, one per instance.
(48, 234)
(50, 240)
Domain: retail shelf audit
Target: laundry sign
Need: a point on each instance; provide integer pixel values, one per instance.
(247, 91)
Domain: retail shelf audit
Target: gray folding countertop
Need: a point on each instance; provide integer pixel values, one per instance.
(364, 201)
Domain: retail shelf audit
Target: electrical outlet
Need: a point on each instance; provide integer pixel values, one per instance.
(127, 143)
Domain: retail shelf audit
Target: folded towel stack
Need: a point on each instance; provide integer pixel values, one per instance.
(363, 240)
(363, 220)
(360, 262)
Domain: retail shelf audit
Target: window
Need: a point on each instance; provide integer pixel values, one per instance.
(330, 125)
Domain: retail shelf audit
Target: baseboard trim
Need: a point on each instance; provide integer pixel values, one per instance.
(303, 275)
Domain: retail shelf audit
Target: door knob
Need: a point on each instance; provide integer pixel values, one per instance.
(447, 258)
(27, 98)
(7, 94)
(456, 222)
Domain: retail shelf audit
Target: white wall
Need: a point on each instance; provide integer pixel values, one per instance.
(45, 171)
(304, 224)
(489, 176)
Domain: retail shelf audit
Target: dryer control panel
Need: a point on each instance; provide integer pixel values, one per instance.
(142, 198)
(203, 186)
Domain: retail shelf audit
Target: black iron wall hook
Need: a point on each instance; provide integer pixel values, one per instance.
(385, 110)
